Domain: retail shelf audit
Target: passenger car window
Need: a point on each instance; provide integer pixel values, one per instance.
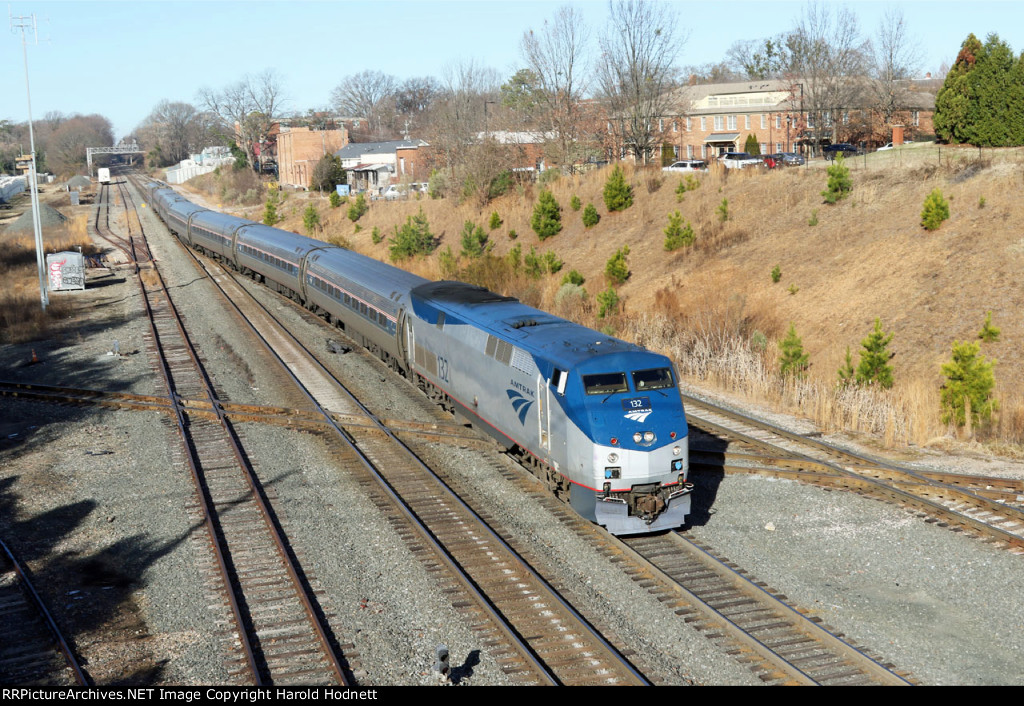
(605, 383)
(655, 379)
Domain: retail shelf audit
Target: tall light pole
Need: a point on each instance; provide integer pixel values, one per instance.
(22, 23)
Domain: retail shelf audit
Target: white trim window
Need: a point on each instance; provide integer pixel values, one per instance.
(719, 122)
(764, 121)
(703, 124)
(732, 122)
(746, 122)
(778, 122)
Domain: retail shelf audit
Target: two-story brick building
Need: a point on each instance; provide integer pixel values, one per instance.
(300, 148)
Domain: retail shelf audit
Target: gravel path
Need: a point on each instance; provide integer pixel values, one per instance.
(97, 504)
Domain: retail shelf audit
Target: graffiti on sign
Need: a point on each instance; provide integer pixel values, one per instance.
(66, 271)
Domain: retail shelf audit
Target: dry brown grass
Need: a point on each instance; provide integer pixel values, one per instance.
(714, 308)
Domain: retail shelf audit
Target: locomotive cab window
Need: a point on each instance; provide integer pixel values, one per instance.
(558, 380)
(655, 379)
(605, 383)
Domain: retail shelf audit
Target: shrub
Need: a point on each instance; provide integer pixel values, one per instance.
(874, 359)
(793, 362)
(677, 234)
(813, 220)
(618, 195)
(723, 210)
(512, 235)
(376, 236)
(358, 208)
(547, 216)
(988, 333)
(590, 216)
(776, 274)
(549, 176)
(473, 239)
(574, 203)
(311, 220)
(495, 221)
(573, 277)
(608, 301)
(839, 184)
(935, 210)
(413, 238)
(334, 199)
(616, 269)
(969, 385)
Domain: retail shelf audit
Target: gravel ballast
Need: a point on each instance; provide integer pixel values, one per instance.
(105, 499)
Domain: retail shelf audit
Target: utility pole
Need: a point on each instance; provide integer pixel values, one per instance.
(21, 23)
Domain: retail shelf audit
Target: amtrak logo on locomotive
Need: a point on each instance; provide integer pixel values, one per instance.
(519, 403)
(638, 408)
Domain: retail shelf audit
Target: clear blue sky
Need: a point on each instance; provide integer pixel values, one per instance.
(120, 59)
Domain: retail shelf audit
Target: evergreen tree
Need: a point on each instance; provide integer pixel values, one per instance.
(608, 300)
(311, 219)
(547, 216)
(574, 203)
(495, 221)
(935, 210)
(618, 195)
(839, 184)
(590, 216)
(413, 238)
(270, 215)
(847, 372)
(988, 333)
(969, 379)
(752, 147)
(358, 208)
(793, 362)
(473, 239)
(981, 101)
(616, 269)
(677, 234)
(874, 359)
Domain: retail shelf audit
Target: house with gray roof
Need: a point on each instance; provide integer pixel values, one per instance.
(371, 166)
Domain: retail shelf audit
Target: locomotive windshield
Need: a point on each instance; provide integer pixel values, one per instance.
(656, 379)
(605, 383)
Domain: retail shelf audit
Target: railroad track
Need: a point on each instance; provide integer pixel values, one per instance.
(280, 632)
(33, 651)
(537, 636)
(989, 508)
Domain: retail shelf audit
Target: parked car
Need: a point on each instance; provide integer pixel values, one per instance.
(841, 148)
(394, 192)
(790, 159)
(739, 160)
(687, 165)
(772, 161)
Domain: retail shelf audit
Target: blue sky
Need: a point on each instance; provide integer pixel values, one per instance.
(120, 59)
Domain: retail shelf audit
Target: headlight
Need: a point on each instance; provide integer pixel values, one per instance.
(638, 437)
(676, 451)
(648, 437)
(613, 457)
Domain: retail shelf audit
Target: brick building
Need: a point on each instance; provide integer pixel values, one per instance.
(711, 119)
(300, 148)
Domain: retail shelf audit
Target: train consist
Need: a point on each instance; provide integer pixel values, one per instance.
(599, 419)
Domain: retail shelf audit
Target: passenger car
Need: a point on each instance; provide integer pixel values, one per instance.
(740, 160)
(687, 165)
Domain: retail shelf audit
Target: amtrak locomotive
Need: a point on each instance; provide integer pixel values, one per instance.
(599, 419)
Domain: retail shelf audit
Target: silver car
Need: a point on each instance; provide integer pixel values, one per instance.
(687, 165)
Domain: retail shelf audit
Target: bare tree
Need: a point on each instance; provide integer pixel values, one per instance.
(368, 94)
(174, 130)
(66, 151)
(759, 59)
(556, 54)
(636, 71)
(246, 110)
(895, 60)
(828, 60)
